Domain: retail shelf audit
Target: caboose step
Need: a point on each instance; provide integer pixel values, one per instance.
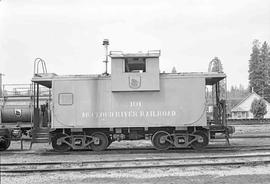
(40, 135)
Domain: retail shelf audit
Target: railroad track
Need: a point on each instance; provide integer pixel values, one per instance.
(247, 137)
(265, 121)
(150, 163)
(142, 150)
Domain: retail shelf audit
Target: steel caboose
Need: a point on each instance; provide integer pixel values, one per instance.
(134, 102)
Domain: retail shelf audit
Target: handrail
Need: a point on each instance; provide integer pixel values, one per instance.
(37, 63)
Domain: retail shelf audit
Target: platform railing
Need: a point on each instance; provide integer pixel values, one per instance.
(22, 90)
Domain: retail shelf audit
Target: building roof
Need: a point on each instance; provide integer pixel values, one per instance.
(240, 108)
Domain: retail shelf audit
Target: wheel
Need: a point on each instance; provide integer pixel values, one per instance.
(100, 143)
(4, 143)
(201, 142)
(161, 140)
(62, 146)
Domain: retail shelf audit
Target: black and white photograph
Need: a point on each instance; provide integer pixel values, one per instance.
(134, 92)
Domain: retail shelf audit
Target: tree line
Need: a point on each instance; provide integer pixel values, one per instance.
(259, 77)
(259, 69)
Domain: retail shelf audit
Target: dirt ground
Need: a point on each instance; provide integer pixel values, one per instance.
(252, 129)
(213, 175)
(218, 175)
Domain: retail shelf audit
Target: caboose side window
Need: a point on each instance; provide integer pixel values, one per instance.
(65, 99)
(135, 65)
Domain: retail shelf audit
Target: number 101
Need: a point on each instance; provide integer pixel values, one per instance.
(135, 104)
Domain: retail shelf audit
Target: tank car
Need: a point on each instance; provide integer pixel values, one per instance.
(134, 102)
(16, 113)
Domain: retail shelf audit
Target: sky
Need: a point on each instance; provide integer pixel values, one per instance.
(68, 34)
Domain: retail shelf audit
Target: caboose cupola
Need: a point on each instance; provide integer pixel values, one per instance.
(135, 72)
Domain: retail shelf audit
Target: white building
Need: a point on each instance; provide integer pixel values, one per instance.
(242, 110)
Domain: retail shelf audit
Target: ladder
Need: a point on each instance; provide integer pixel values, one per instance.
(40, 133)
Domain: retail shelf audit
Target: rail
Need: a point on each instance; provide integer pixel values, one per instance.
(264, 121)
(186, 161)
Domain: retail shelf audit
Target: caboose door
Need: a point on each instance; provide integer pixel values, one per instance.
(63, 104)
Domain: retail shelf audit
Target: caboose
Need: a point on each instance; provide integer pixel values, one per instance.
(134, 102)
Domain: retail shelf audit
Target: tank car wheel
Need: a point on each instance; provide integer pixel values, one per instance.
(62, 146)
(161, 140)
(4, 143)
(202, 142)
(101, 142)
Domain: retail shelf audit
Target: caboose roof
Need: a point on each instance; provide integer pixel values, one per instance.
(46, 79)
(149, 54)
(210, 77)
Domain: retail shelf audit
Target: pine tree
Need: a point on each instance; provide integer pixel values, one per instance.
(259, 69)
(256, 79)
(174, 70)
(216, 66)
(265, 66)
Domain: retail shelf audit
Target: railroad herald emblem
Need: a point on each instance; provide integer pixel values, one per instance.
(18, 112)
(134, 82)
